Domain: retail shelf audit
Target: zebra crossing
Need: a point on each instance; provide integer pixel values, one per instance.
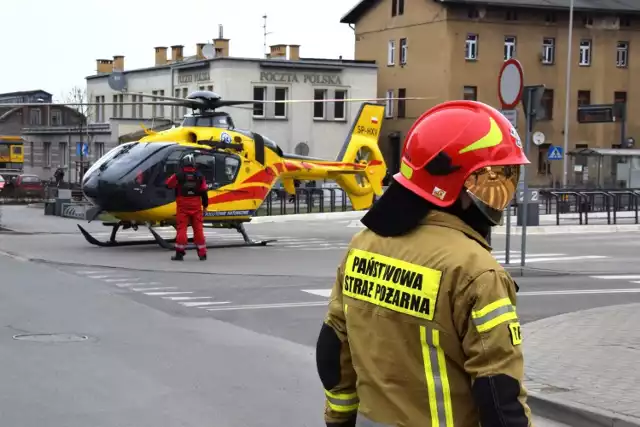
(122, 280)
(281, 243)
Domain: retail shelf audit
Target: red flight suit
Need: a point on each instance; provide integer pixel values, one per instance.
(191, 199)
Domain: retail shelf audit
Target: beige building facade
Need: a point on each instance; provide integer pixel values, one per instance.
(450, 49)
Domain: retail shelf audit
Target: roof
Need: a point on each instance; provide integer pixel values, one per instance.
(629, 6)
(317, 63)
(24, 92)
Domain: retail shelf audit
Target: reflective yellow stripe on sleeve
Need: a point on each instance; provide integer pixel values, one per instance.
(494, 314)
(435, 370)
(342, 402)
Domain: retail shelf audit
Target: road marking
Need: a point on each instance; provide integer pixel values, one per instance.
(566, 258)
(129, 279)
(89, 272)
(99, 277)
(203, 304)
(623, 277)
(159, 294)
(125, 285)
(184, 298)
(327, 292)
(263, 306)
(152, 289)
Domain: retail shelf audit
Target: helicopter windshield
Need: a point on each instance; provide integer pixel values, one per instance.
(222, 121)
(123, 159)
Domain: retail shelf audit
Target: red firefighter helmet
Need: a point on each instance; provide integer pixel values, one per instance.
(463, 145)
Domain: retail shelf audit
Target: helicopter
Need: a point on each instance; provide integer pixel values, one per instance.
(240, 166)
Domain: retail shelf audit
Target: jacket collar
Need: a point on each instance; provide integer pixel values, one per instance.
(444, 219)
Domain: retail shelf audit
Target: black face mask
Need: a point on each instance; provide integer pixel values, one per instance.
(472, 216)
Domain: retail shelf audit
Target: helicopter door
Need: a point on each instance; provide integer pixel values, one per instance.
(206, 164)
(227, 167)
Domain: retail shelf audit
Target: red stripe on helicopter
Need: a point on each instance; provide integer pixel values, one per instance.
(280, 167)
(265, 176)
(291, 166)
(248, 193)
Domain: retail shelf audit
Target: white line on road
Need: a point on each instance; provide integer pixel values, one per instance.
(203, 304)
(261, 306)
(622, 277)
(185, 298)
(126, 279)
(565, 258)
(152, 289)
(327, 292)
(98, 277)
(159, 294)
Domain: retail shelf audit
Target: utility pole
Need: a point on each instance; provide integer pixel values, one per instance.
(265, 33)
(567, 101)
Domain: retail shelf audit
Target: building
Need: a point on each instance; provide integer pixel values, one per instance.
(50, 134)
(315, 129)
(453, 49)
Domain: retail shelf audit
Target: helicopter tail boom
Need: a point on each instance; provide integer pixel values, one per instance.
(359, 167)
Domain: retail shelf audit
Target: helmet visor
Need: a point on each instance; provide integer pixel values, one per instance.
(492, 188)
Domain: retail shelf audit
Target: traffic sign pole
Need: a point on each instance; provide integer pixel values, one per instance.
(525, 188)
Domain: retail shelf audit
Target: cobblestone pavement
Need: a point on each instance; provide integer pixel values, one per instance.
(589, 358)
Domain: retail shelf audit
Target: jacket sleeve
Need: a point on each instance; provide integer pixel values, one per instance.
(486, 319)
(172, 181)
(333, 360)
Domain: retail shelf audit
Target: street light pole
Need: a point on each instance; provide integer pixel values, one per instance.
(567, 100)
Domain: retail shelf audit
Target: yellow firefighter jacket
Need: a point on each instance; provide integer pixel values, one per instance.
(428, 331)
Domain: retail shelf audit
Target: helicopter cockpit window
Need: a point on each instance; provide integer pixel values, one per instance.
(219, 121)
(205, 163)
(170, 166)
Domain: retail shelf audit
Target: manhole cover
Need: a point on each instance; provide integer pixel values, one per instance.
(51, 337)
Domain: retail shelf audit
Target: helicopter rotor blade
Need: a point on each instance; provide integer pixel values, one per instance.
(166, 98)
(73, 104)
(302, 101)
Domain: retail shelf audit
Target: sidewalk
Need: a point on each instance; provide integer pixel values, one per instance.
(584, 365)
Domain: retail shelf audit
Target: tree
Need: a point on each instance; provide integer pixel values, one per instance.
(79, 95)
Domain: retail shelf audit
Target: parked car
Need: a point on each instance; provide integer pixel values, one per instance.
(28, 186)
(1, 183)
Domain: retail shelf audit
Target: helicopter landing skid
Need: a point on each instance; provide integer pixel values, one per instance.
(112, 242)
(248, 242)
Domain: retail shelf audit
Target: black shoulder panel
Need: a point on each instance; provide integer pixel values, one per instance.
(259, 146)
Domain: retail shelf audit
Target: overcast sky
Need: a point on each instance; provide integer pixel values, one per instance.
(53, 44)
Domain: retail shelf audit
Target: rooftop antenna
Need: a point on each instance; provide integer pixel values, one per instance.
(264, 27)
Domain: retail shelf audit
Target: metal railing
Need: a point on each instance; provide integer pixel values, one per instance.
(565, 203)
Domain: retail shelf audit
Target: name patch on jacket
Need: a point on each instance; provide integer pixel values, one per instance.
(392, 283)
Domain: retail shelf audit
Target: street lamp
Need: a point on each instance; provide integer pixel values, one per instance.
(567, 100)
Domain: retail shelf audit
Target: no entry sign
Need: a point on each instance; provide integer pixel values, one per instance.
(510, 84)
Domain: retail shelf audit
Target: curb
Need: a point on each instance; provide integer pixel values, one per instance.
(576, 414)
(568, 229)
(354, 215)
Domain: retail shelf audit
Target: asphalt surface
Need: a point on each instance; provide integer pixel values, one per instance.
(168, 346)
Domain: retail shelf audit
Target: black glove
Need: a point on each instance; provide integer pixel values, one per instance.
(350, 422)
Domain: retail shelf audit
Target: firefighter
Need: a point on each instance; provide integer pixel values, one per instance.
(422, 327)
(191, 200)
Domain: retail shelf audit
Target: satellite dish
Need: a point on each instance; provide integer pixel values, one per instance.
(117, 81)
(208, 51)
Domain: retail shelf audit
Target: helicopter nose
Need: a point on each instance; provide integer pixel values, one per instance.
(90, 189)
(104, 194)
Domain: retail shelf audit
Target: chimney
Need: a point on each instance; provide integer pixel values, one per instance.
(199, 47)
(279, 51)
(104, 66)
(118, 63)
(177, 54)
(222, 47)
(161, 55)
(294, 52)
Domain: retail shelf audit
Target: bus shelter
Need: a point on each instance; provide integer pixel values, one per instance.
(604, 168)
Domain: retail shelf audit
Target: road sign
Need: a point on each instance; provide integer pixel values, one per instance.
(538, 138)
(510, 84)
(535, 93)
(85, 149)
(596, 113)
(554, 153)
(512, 116)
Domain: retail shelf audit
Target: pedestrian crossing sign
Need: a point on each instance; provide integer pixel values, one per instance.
(554, 153)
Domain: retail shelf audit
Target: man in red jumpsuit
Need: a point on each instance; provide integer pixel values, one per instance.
(191, 199)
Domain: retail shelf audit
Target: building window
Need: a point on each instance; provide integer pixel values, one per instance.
(339, 112)
(471, 47)
(470, 93)
(550, 18)
(585, 53)
(35, 117)
(512, 15)
(99, 147)
(548, 50)
(397, 7)
(544, 165)
(584, 97)
(620, 97)
(625, 21)
(185, 93)
(210, 88)
(280, 108)
(391, 53)
(622, 56)
(259, 93)
(403, 51)
(319, 95)
(547, 104)
(587, 20)
(63, 154)
(56, 118)
(473, 13)
(388, 111)
(46, 154)
(402, 104)
(509, 47)
(100, 109)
